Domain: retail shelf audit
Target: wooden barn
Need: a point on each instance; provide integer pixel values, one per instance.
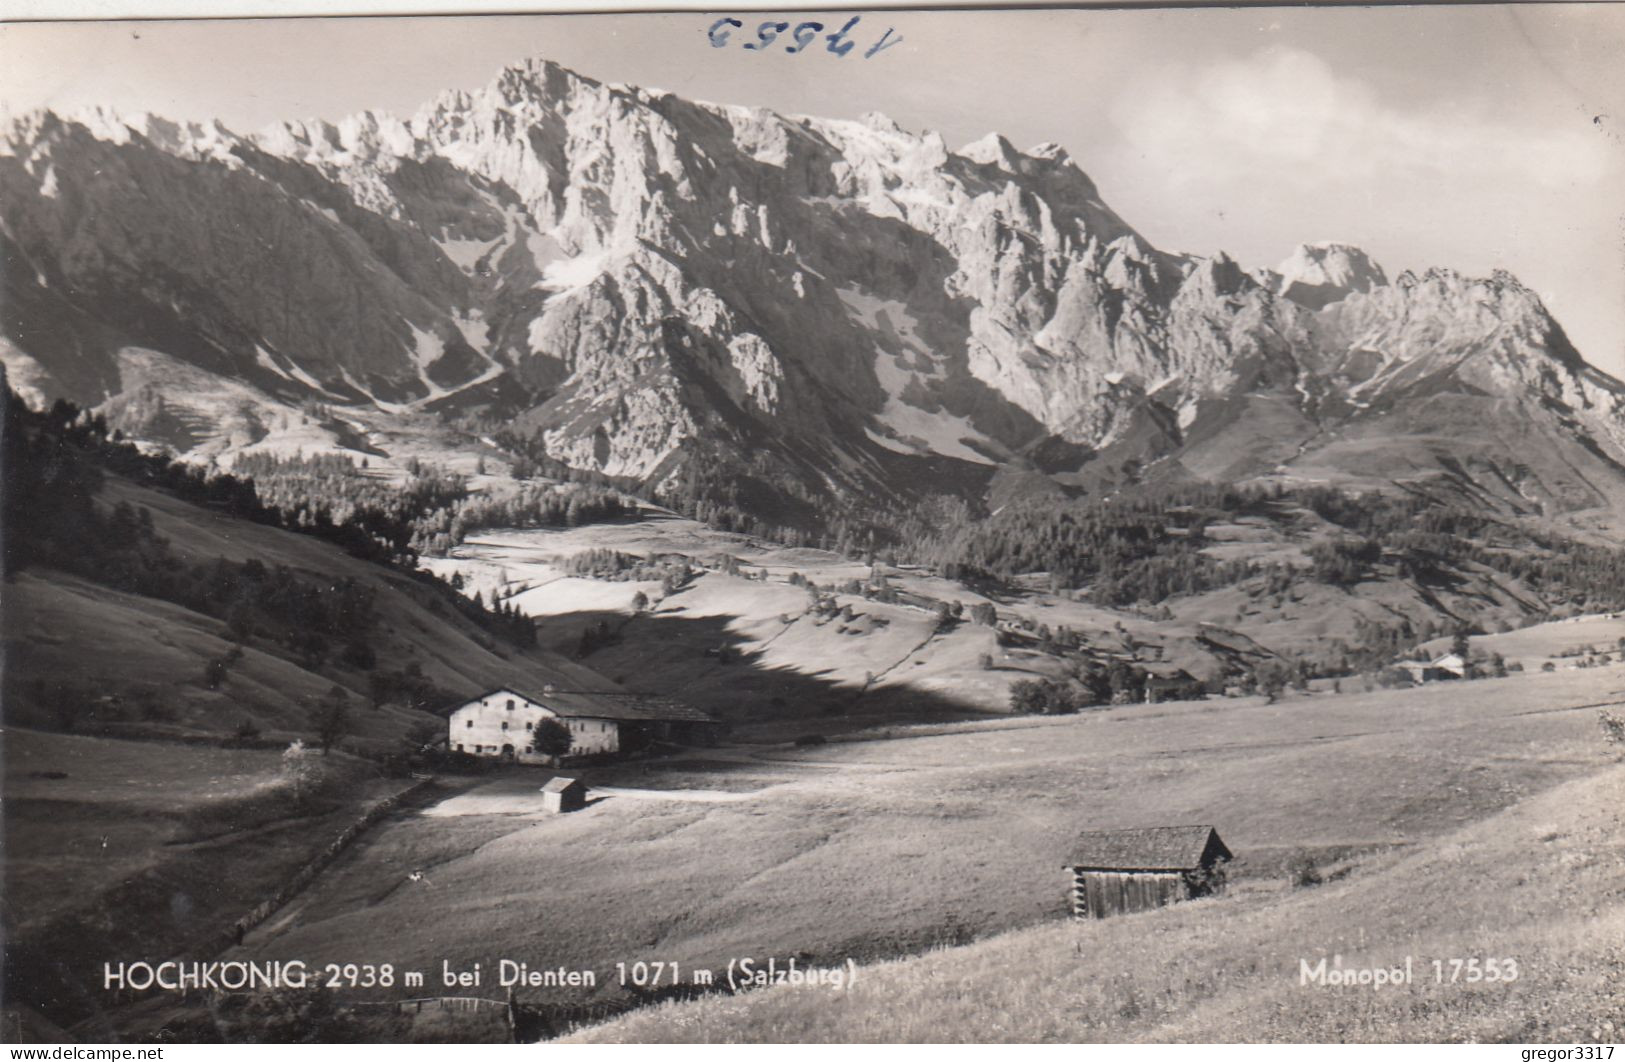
(563, 794)
(1122, 871)
(1167, 683)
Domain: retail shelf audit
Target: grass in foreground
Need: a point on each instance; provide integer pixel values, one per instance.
(875, 849)
(125, 850)
(1540, 883)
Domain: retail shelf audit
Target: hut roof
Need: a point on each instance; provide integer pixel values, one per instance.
(1168, 678)
(1149, 848)
(1234, 641)
(562, 784)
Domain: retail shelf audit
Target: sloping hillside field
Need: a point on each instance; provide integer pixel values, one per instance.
(1261, 964)
(560, 559)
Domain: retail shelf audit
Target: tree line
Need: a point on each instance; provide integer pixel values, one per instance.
(56, 462)
(431, 511)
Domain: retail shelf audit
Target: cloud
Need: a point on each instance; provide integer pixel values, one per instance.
(1288, 112)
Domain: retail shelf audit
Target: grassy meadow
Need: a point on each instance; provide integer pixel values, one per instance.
(1538, 883)
(785, 669)
(62, 627)
(143, 849)
(874, 849)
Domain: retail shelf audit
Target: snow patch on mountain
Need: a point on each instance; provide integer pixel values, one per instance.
(290, 371)
(903, 366)
(919, 432)
(563, 275)
(427, 348)
(476, 332)
(26, 376)
(362, 389)
(263, 359)
(104, 123)
(465, 254)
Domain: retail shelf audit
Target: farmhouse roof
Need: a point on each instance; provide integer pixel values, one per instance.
(619, 705)
(1224, 638)
(561, 784)
(1150, 848)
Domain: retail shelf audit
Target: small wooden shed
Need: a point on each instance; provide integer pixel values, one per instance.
(1121, 871)
(1170, 684)
(563, 794)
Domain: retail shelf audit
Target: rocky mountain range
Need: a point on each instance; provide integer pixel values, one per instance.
(843, 308)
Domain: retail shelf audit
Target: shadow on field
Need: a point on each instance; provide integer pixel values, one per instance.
(221, 860)
(702, 662)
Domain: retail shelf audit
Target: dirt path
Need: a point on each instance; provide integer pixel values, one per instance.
(881, 675)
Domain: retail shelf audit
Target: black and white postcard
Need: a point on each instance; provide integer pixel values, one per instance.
(976, 524)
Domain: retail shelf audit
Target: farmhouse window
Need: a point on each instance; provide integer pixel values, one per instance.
(471, 724)
(510, 704)
(504, 724)
(529, 725)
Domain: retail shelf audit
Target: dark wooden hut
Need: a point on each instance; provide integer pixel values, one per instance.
(1120, 871)
(1170, 684)
(563, 794)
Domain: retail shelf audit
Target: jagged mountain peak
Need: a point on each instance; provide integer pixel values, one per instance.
(542, 71)
(992, 150)
(108, 122)
(34, 132)
(1218, 274)
(881, 122)
(366, 135)
(27, 130)
(1050, 151)
(637, 274)
(1316, 274)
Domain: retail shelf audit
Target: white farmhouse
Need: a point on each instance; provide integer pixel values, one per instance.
(501, 723)
(1451, 665)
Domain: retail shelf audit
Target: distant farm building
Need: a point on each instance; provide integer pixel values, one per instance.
(501, 723)
(1452, 665)
(1122, 871)
(1166, 683)
(1232, 646)
(563, 794)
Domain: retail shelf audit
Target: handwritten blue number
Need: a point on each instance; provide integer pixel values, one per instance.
(804, 35)
(719, 36)
(882, 44)
(837, 42)
(767, 33)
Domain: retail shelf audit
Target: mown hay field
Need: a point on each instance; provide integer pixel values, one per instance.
(1539, 884)
(138, 850)
(875, 849)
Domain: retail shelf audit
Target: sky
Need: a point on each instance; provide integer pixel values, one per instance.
(1464, 136)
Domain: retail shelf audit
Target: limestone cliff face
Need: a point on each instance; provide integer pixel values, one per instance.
(652, 271)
